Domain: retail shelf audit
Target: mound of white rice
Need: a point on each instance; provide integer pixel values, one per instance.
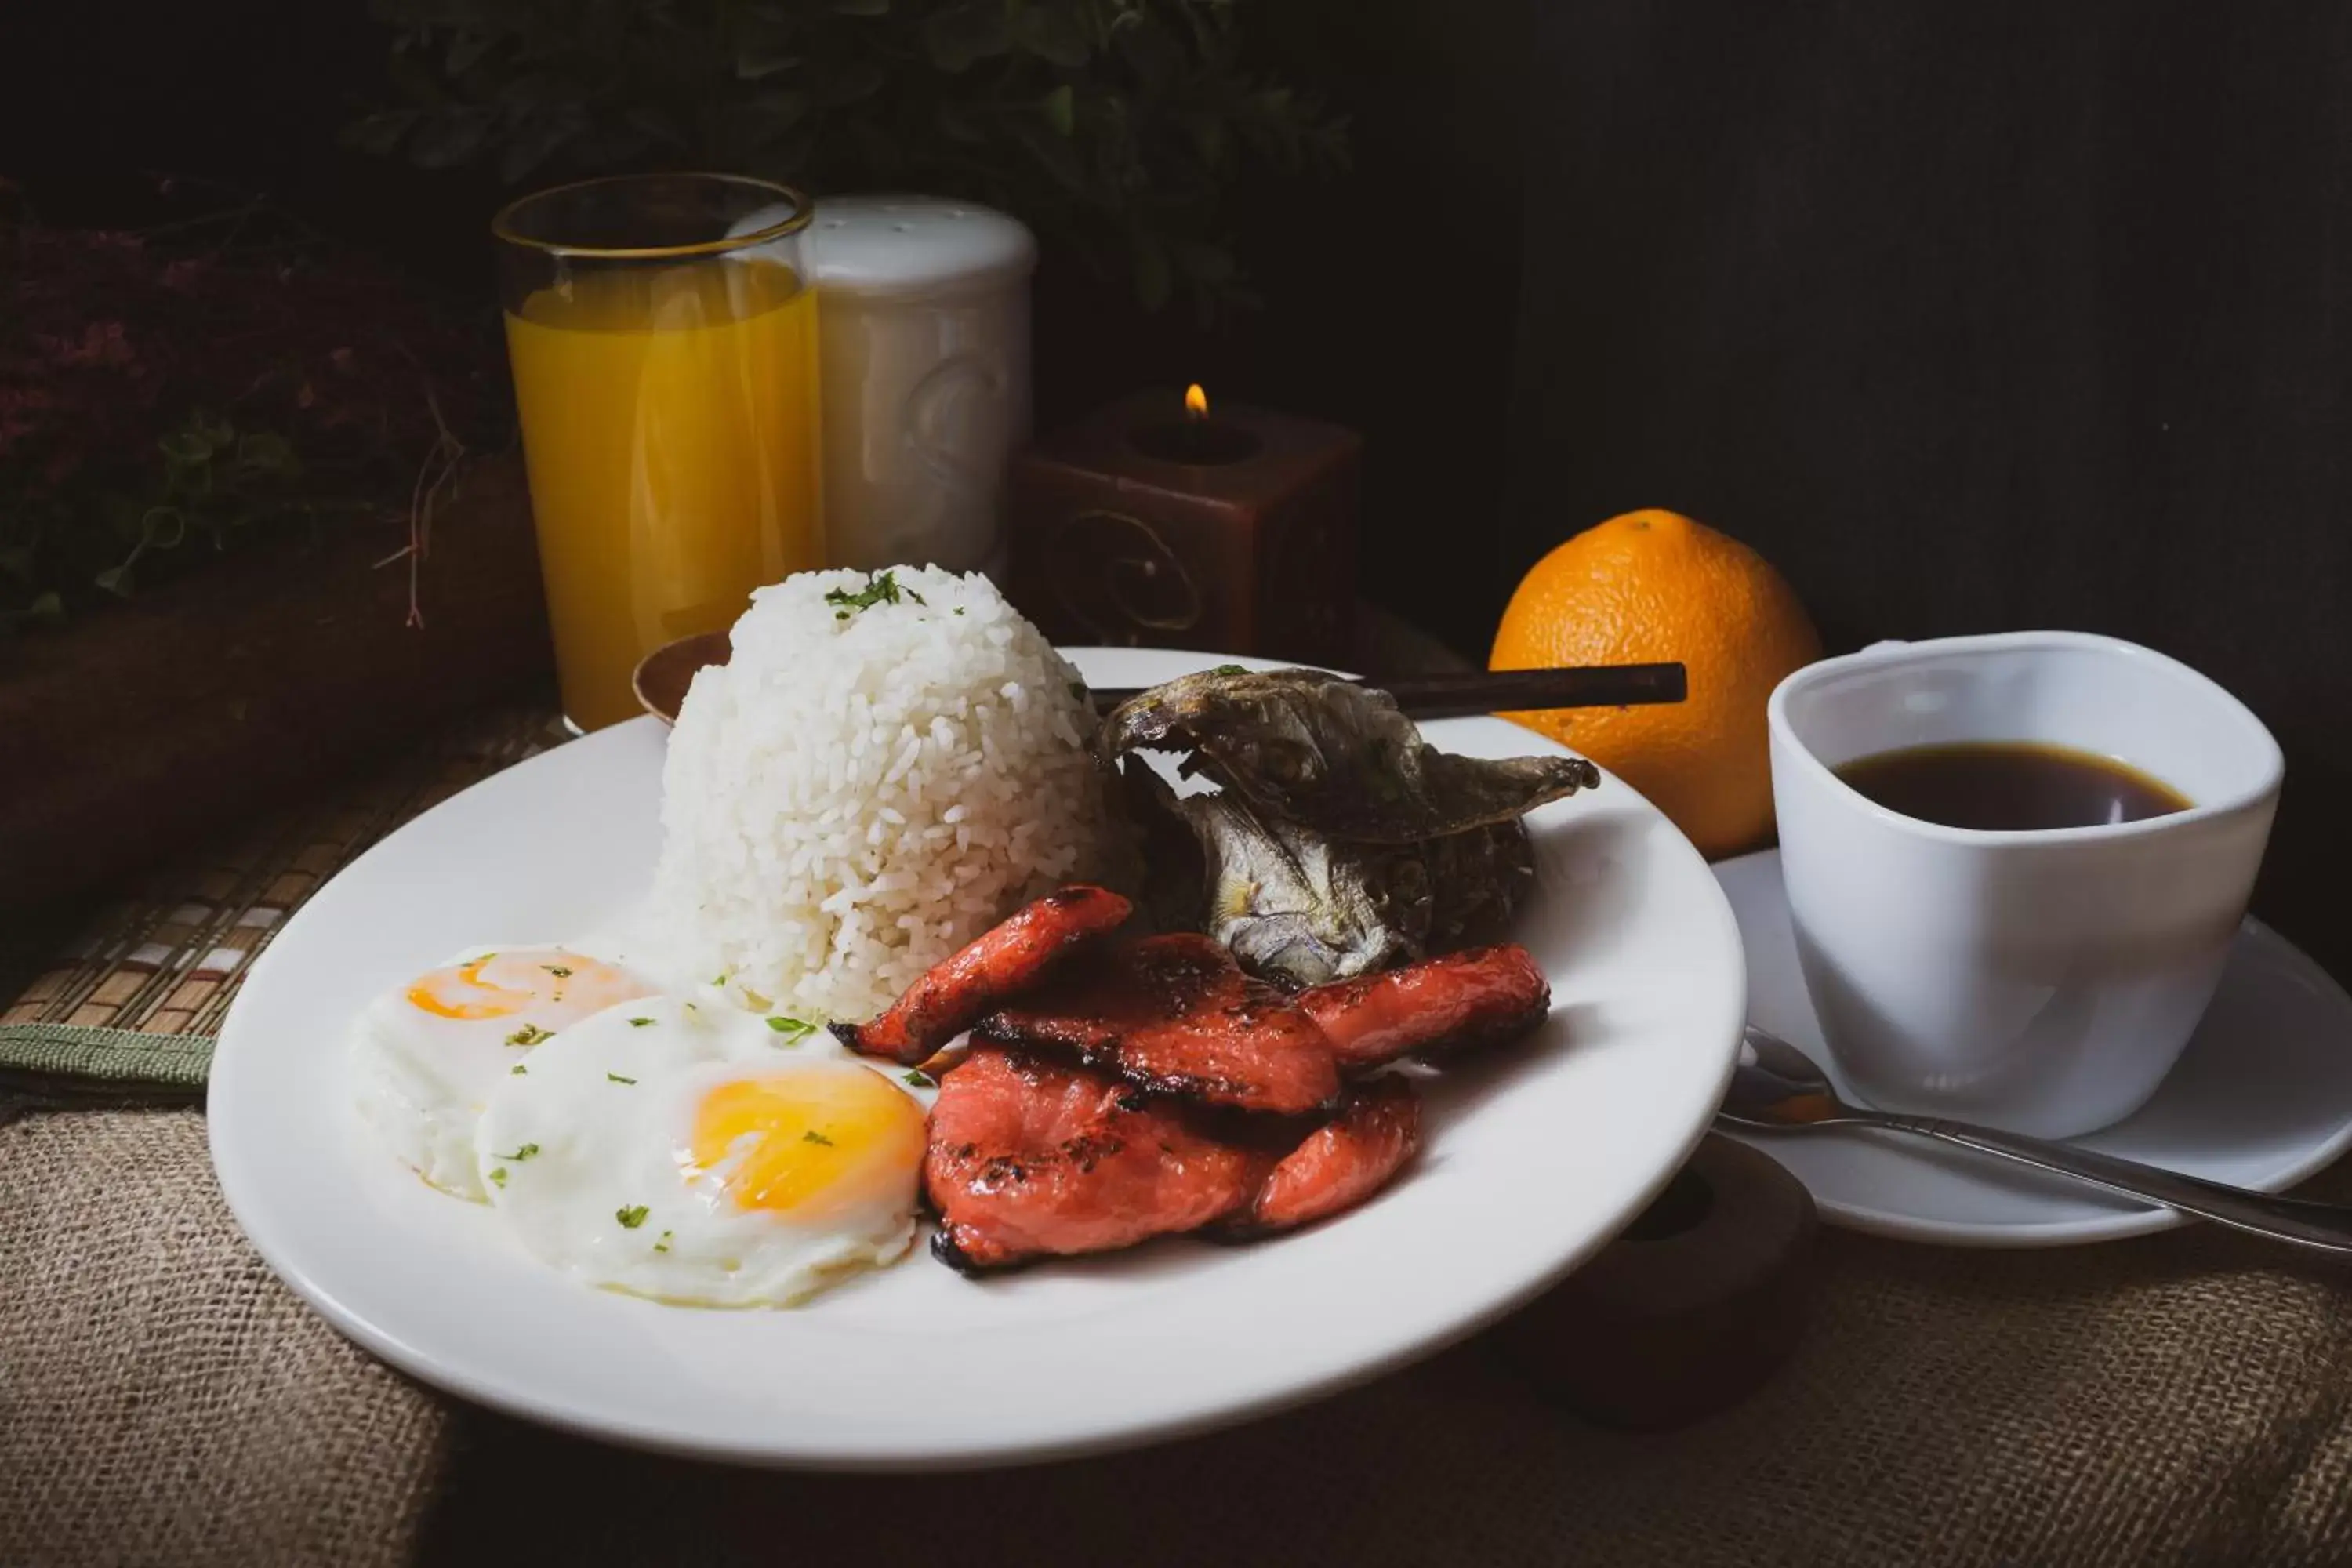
(861, 791)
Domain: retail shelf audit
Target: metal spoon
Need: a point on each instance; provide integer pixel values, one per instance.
(1776, 1087)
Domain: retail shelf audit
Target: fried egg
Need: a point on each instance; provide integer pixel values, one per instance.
(427, 1053)
(698, 1155)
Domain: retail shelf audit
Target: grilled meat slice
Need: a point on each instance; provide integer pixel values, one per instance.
(1030, 1157)
(1176, 1014)
(1482, 996)
(1339, 1164)
(998, 964)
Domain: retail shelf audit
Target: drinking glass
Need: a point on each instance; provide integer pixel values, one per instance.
(664, 341)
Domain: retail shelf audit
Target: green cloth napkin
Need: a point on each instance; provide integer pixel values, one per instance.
(49, 1065)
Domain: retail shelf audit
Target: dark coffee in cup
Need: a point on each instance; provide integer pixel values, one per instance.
(2009, 785)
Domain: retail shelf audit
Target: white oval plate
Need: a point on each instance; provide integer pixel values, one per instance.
(2261, 1098)
(1535, 1157)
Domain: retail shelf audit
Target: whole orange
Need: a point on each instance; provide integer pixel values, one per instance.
(1654, 586)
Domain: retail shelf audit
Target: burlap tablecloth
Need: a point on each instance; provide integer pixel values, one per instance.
(2184, 1398)
(2180, 1399)
(2171, 1401)
(162, 1398)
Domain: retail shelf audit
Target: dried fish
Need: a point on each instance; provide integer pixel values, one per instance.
(1331, 754)
(1335, 841)
(1293, 905)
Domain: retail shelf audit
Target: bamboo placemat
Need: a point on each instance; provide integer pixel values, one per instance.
(165, 957)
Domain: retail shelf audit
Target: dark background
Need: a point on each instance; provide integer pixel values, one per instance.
(1389, 291)
(1970, 318)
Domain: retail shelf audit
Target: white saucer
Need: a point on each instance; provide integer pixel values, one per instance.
(2262, 1099)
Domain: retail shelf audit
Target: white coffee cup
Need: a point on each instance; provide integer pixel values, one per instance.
(2042, 981)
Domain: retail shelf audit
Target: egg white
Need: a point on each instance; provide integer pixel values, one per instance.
(420, 1080)
(585, 1160)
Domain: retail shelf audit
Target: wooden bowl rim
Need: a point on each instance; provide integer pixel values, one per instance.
(661, 678)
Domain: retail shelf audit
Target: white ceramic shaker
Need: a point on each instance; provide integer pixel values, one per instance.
(923, 305)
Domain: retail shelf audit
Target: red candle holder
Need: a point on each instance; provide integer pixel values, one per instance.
(1153, 524)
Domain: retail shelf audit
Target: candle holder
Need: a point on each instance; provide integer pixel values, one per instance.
(1150, 524)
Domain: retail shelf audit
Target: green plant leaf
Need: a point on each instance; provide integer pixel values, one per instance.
(1056, 154)
(963, 34)
(1137, 117)
(1060, 110)
(186, 446)
(1150, 49)
(1051, 33)
(47, 608)
(122, 517)
(162, 528)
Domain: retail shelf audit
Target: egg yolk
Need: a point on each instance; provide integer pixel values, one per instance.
(501, 984)
(810, 1142)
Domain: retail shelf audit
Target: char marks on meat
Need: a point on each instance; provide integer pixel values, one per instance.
(1176, 1014)
(1032, 1158)
(1339, 1165)
(1000, 963)
(1124, 1088)
(1459, 1002)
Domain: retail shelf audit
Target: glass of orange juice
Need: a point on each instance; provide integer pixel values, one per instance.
(664, 341)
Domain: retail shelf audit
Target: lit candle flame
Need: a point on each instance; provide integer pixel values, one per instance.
(1196, 402)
